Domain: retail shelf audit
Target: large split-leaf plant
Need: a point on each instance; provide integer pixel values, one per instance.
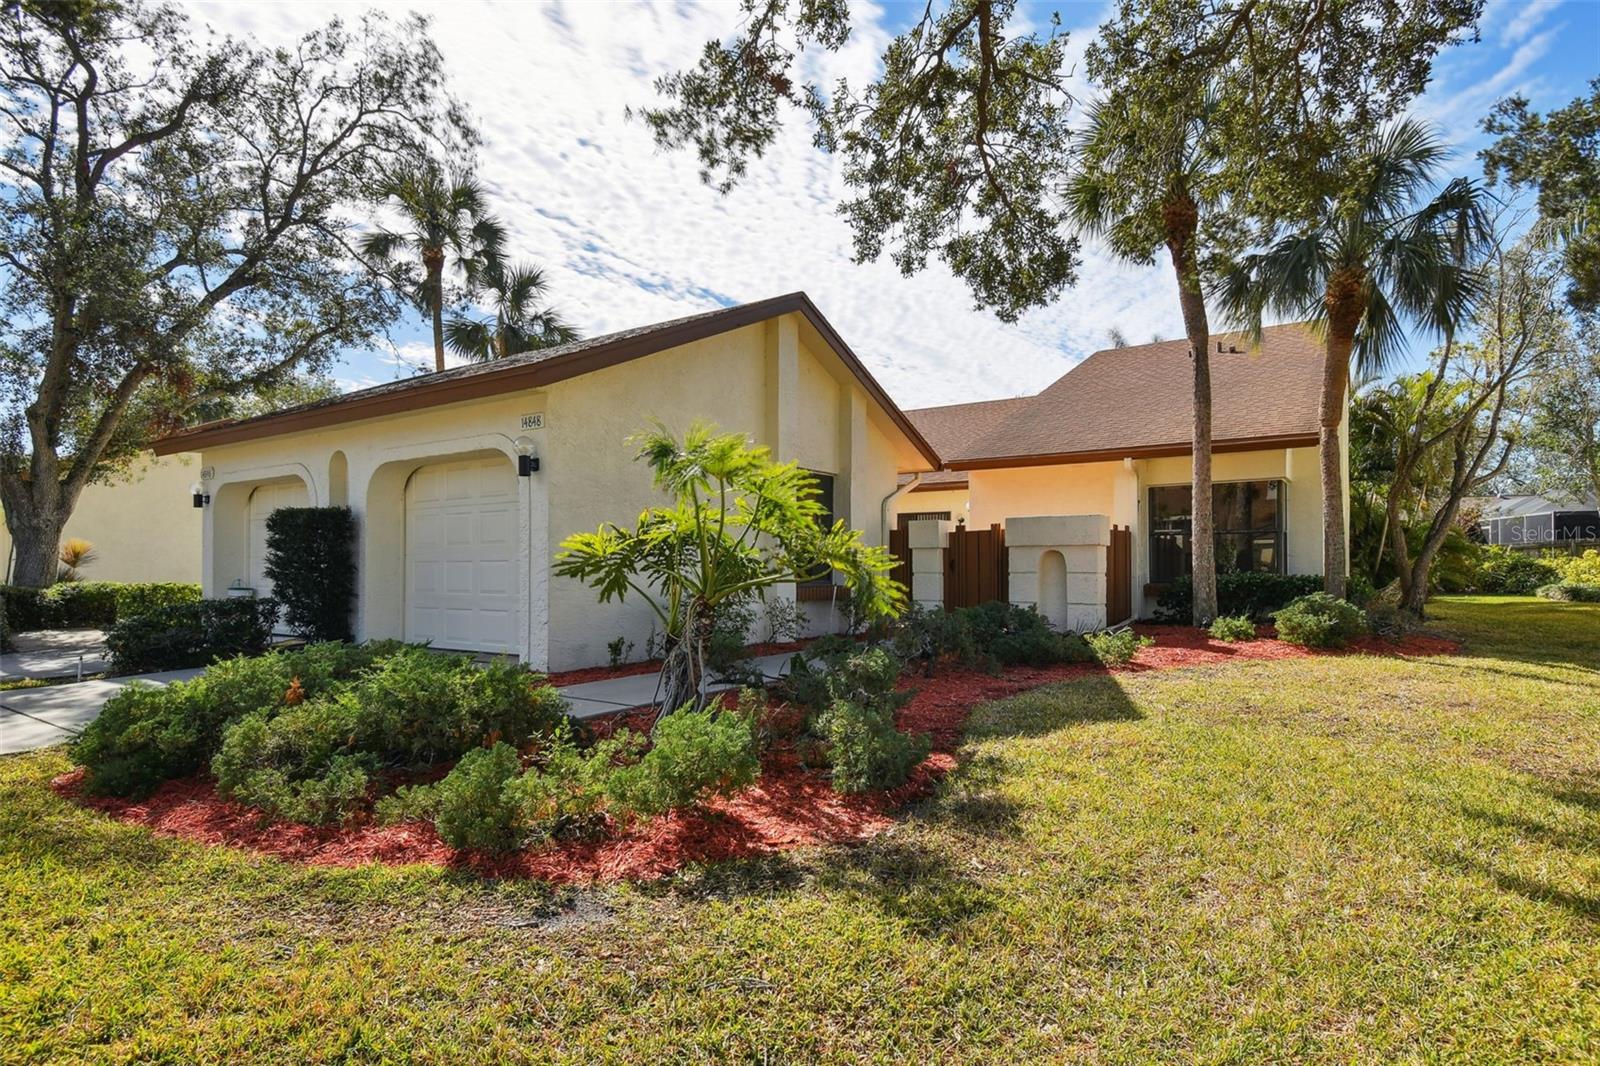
(738, 523)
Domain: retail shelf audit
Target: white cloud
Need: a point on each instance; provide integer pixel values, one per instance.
(629, 235)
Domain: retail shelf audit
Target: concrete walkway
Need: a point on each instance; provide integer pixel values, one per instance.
(39, 717)
(594, 698)
(55, 653)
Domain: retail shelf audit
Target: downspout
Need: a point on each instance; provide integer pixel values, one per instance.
(883, 508)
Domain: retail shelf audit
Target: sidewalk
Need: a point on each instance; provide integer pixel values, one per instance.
(55, 653)
(594, 698)
(38, 717)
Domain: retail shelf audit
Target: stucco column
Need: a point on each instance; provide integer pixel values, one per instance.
(928, 540)
(1058, 565)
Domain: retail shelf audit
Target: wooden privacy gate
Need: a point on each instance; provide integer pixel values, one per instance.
(1119, 575)
(976, 567)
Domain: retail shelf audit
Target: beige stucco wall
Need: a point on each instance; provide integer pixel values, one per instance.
(952, 500)
(775, 382)
(1119, 490)
(142, 524)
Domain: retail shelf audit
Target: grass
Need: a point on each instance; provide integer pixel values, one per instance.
(1329, 860)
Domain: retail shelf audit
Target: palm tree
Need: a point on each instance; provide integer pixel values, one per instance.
(1142, 184)
(1376, 253)
(517, 325)
(441, 214)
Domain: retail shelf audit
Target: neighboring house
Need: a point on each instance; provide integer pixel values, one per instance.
(143, 524)
(1531, 520)
(1112, 437)
(454, 547)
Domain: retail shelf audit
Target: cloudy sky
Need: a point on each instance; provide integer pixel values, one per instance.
(628, 235)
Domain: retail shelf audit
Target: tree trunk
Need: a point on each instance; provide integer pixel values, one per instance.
(433, 263)
(683, 667)
(1343, 302)
(1181, 218)
(35, 526)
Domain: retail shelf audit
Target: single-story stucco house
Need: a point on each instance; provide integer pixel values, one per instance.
(1111, 437)
(456, 537)
(454, 547)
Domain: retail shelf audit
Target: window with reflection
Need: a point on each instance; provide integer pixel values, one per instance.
(1248, 522)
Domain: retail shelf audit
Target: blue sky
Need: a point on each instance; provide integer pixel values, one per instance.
(628, 235)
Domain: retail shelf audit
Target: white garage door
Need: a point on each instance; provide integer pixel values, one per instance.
(263, 501)
(461, 534)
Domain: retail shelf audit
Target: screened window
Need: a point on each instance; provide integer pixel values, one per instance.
(824, 496)
(1248, 516)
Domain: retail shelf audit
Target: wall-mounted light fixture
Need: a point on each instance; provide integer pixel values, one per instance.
(200, 495)
(527, 462)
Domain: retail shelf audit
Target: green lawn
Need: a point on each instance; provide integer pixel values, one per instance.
(1334, 859)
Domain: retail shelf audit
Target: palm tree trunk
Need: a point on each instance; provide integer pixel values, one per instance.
(1343, 302)
(433, 263)
(1181, 218)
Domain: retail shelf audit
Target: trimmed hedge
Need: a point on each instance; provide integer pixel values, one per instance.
(1254, 595)
(190, 634)
(1320, 621)
(312, 564)
(83, 604)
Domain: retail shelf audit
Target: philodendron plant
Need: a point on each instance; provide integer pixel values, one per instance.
(738, 523)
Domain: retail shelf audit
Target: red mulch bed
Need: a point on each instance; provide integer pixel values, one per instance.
(789, 807)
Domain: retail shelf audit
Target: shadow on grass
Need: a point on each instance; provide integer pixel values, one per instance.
(1041, 711)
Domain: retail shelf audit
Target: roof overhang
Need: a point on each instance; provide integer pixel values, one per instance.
(358, 406)
(1152, 451)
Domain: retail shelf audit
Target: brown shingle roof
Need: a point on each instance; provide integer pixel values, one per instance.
(1138, 401)
(534, 370)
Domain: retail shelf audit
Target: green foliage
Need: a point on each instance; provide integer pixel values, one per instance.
(312, 565)
(145, 735)
(410, 708)
(517, 325)
(1508, 572)
(865, 749)
(1117, 648)
(1233, 628)
(190, 634)
(1577, 569)
(140, 192)
(419, 707)
(989, 634)
(90, 604)
(695, 754)
(1571, 592)
(739, 523)
(1255, 595)
(1559, 155)
(1320, 621)
(476, 805)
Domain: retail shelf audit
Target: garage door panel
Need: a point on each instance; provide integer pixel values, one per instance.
(460, 556)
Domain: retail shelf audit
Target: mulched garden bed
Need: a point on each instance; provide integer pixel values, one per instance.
(789, 807)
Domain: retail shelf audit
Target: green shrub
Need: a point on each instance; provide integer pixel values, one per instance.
(695, 754)
(145, 735)
(866, 750)
(333, 794)
(1233, 628)
(419, 707)
(81, 604)
(988, 634)
(1504, 571)
(1254, 594)
(190, 634)
(1117, 648)
(564, 792)
(1320, 621)
(476, 805)
(311, 563)
(278, 761)
(929, 634)
(1571, 592)
(1576, 569)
